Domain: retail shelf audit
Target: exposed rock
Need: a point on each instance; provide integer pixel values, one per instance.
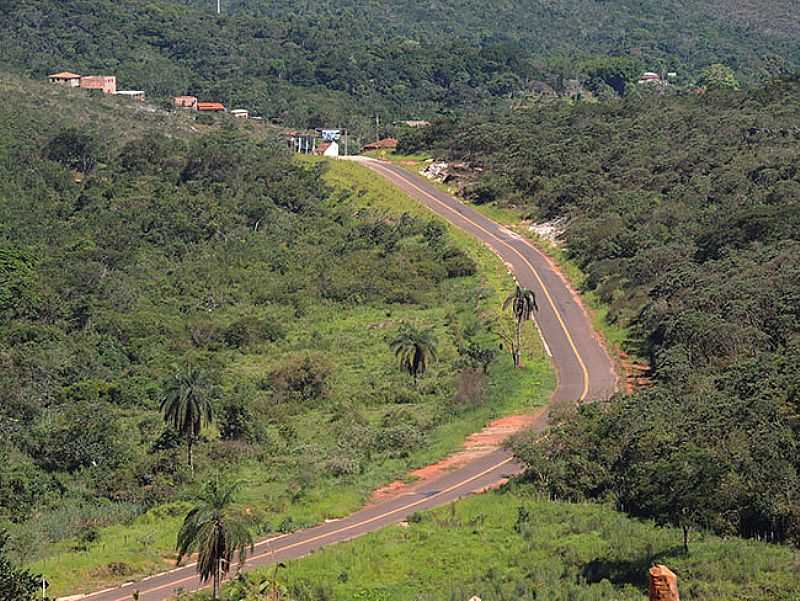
(663, 584)
(552, 231)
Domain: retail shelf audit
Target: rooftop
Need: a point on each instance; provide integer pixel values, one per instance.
(64, 75)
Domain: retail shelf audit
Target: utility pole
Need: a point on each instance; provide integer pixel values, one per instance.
(377, 127)
(219, 7)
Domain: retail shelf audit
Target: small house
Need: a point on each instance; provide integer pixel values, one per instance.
(241, 113)
(650, 77)
(385, 144)
(65, 78)
(105, 83)
(327, 149)
(211, 107)
(137, 95)
(186, 102)
(414, 123)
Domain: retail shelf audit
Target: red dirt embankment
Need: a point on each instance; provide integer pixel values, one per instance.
(477, 445)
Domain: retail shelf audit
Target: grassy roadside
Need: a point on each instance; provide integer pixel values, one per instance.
(615, 335)
(279, 491)
(509, 545)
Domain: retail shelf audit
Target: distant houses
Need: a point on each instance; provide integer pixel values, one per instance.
(107, 84)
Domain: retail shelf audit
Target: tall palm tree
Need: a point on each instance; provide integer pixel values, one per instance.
(186, 405)
(522, 303)
(216, 531)
(414, 348)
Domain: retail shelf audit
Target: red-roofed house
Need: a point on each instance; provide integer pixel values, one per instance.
(65, 78)
(385, 144)
(211, 107)
(106, 83)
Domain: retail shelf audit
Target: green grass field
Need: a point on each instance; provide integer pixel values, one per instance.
(507, 546)
(282, 489)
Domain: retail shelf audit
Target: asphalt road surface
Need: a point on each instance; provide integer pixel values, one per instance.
(585, 373)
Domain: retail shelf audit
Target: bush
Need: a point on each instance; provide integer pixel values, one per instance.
(459, 264)
(399, 441)
(343, 466)
(74, 149)
(251, 330)
(237, 422)
(405, 395)
(301, 377)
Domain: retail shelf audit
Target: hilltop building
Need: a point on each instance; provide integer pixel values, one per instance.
(65, 78)
(186, 102)
(105, 83)
(211, 107)
(241, 113)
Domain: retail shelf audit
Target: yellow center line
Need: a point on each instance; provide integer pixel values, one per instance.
(549, 298)
(319, 537)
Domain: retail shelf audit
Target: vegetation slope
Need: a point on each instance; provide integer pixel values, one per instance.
(684, 212)
(511, 545)
(135, 245)
(326, 63)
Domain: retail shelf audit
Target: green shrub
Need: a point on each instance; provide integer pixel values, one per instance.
(301, 377)
(398, 441)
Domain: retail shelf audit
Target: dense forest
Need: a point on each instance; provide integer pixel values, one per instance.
(159, 259)
(684, 213)
(341, 63)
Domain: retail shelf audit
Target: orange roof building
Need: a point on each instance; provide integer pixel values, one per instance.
(211, 107)
(65, 78)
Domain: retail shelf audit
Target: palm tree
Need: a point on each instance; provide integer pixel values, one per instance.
(414, 348)
(186, 405)
(216, 531)
(522, 303)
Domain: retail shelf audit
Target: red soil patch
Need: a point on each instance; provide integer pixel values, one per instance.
(477, 445)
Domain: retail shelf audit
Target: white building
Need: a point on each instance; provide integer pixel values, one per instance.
(132, 94)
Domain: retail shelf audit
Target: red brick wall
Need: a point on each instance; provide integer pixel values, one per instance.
(106, 83)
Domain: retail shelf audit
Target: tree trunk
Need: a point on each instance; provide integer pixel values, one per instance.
(216, 579)
(189, 454)
(686, 540)
(517, 351)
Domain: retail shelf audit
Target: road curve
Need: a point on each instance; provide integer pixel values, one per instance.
(585, 372)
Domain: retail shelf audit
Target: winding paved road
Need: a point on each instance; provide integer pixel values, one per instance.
(585, 372)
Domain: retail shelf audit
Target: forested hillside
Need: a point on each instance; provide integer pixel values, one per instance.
(341, 63)
(140, 256)
(684, 213)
